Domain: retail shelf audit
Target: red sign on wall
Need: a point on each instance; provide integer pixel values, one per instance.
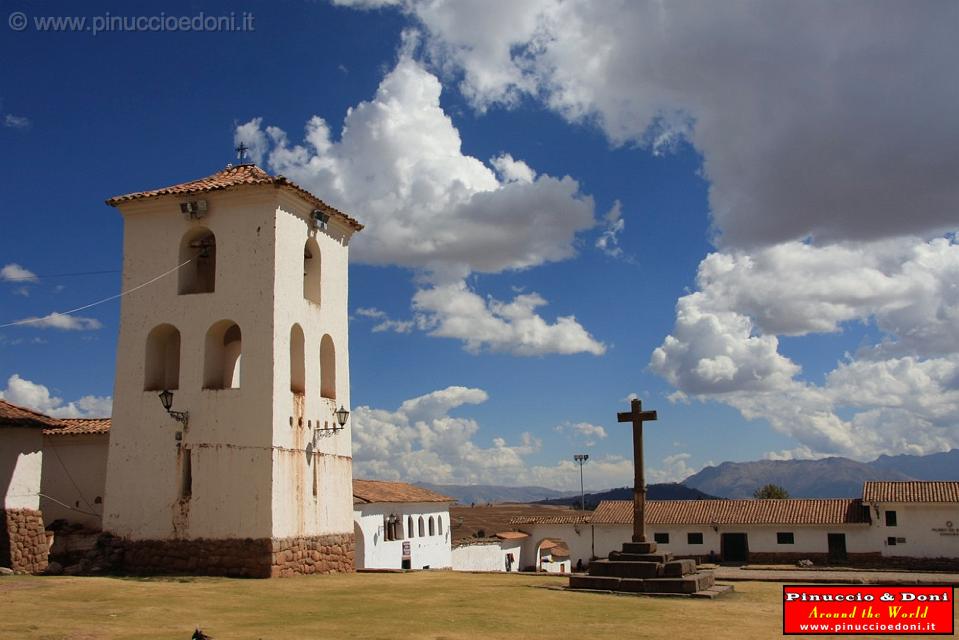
(873, 610)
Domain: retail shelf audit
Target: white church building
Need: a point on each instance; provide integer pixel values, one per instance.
(400, 526)
(229, 445)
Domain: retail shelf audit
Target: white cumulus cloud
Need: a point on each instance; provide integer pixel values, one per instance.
(33, 395)
(398, 166)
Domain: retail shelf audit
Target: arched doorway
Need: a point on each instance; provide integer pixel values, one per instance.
(359, 548)
(552, 556)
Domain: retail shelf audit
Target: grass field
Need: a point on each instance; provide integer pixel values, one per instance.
(425, 606)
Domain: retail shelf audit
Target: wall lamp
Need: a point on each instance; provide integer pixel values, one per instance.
(166, 399)
(341, 415)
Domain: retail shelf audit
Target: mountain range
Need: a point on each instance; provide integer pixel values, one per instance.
(824, 478)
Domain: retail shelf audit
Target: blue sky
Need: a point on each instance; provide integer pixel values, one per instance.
(779, 271)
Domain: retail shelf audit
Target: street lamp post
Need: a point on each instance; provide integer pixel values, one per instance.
(581, 459)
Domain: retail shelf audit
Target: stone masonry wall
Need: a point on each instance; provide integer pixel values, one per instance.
(315, 554)
(242, 558)
(23, 541)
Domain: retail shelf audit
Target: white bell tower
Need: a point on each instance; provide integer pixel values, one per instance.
(249, 472)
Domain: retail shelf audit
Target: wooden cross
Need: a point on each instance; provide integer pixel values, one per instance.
(637, 416)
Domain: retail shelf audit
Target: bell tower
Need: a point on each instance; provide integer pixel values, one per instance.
(230, 447)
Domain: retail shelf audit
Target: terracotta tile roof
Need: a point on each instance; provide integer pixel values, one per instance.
(12, 415)
(790, 511)
(80, 426)
(366, 491)
(244, 174)
(511, 535)
(565, 517)
(910, 492)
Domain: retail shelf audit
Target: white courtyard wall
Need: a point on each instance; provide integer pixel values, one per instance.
(74, 478)
(487, 556)
(21, 461)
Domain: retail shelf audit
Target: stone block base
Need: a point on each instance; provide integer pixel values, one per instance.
(23, 541)
(307, 555)
(242, 558)
(639, 569)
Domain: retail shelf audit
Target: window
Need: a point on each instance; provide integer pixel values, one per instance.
(661, 538)
(327, 368)
(311, 271)
(439, 525)
(785, 537)
(422, 528)
(224, 348)
(432, 526)
(186, 474)
(891, 540)
(890, 518)
(198, 246)
(409, 526)
(392, 527)
(694, 538)
(162, 362)
(297, 361)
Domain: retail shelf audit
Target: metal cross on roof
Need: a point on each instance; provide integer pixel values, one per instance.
(241, 153)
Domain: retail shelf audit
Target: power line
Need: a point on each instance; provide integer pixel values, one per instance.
(93, 304)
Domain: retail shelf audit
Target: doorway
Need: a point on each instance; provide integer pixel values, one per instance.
(837, 547)
(734, 547)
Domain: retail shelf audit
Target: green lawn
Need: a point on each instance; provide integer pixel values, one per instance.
(424, 606)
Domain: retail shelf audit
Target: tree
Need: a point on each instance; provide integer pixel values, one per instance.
(771, 491)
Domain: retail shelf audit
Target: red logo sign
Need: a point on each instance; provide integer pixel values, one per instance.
(873, 610)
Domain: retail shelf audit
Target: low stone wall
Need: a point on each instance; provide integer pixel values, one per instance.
(23, 541)
(242, 558)
(872, 560)
(818, 559)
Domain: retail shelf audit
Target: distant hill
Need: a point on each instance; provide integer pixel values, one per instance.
(826, 478)
(665, 491)
(935, 466)
(486, 494)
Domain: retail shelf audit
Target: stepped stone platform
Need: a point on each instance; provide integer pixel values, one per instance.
(638, 568)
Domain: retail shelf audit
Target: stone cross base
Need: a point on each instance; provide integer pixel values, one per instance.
(639, 568)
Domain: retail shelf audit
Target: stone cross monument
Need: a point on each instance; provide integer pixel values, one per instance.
(637, 416)
(639, 567)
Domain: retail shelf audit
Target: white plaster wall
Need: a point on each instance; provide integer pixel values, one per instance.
(762, 538)
(561, 566)
(296, 511)
(230, 431)
(915, 522)
(487, 556)
(433, 551)
(21, 462)
(74, 473)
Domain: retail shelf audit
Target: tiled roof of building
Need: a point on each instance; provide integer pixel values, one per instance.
(564, 517)
(511, 535)
(367, 491)
(917, 491)
(12, 415)
(788, 511)
(80, 426)
(244, 174)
